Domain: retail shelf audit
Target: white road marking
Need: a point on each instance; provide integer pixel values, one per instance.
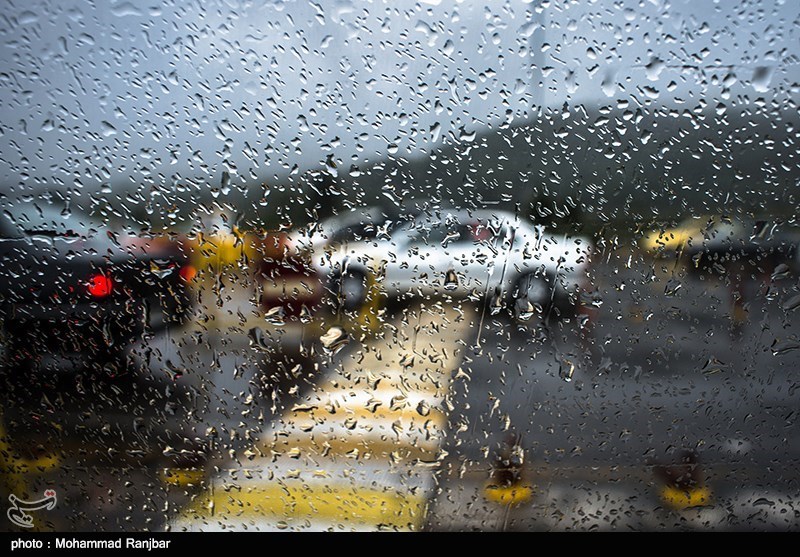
(359, 451)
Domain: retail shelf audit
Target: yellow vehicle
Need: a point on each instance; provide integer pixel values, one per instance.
(717, 242)
(689, 233)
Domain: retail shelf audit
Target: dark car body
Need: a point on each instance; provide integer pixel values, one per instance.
(71, 287)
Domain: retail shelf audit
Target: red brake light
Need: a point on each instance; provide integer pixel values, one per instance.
(100, 285)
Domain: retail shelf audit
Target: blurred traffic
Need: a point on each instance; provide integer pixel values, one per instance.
(295, 365)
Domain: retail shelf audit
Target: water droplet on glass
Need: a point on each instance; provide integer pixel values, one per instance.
(781, 271)
(566, 369)
(406, 361)
(672, 287)
(161, 267)
(448, 48)
(106, 129)
(762, 76)
(467, 136)
(780, 347)
(450, 280)
(257, 340)
(331, 167)
(225, 182)
(526, 310)
(496, 305)
(173, 371)
(591, 299)
(654, 69)
(276, 315)
(334, 340)
(792, 303)
(125, 9)
(305, 315)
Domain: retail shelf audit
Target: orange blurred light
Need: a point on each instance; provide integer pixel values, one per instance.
(188, 273)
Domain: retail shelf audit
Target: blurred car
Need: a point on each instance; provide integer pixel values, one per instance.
(483, 255)
(73, 287)
(716, 242)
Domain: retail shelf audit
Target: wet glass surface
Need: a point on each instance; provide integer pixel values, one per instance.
(432, 265)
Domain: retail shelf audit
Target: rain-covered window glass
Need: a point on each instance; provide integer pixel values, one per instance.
(399, 265)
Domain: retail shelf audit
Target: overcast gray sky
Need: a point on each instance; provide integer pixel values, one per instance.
(149, 93)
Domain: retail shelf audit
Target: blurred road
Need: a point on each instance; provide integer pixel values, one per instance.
(665, 374)
(409, 428)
